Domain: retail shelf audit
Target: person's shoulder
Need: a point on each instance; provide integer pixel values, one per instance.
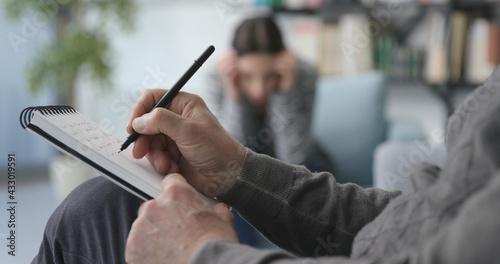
(213, 72)
(305, 67)
(213, 79)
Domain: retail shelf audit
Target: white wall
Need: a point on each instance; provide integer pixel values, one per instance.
(14, 97)
(167, 39)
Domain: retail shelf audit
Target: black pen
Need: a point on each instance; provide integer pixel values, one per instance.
(169, 96)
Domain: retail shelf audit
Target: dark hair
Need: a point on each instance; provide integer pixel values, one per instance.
(260, 34)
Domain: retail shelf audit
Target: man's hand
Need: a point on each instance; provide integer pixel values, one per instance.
(286, 68)
(229, 73)
(186, 138)
(175, 225)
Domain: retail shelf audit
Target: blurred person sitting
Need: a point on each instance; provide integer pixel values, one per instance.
(263, 95)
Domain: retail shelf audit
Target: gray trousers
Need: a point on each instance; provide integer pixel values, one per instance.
(90, 226)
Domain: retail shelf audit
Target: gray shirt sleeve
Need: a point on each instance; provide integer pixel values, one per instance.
(237, 118)
(472, 237)
(289, 117)
(295, 208)
(312, 216)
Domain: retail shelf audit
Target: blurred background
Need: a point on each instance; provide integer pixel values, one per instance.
(391, 72)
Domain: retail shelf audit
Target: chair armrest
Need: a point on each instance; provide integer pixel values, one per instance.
(404, 130)
(393, 162)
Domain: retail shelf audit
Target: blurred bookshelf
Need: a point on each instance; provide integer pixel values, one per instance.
(444, 44)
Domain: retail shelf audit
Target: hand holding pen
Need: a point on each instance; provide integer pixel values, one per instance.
(169, 96)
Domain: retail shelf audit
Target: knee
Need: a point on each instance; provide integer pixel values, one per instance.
(92, 199)
(96, 212)
(98, 194)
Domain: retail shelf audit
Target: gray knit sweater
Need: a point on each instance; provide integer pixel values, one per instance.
(451, 216)
(285, 131)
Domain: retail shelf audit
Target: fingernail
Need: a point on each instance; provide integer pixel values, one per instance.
(139, 124)
(157, 165)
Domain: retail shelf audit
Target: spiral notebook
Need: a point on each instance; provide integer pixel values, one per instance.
(77, 135)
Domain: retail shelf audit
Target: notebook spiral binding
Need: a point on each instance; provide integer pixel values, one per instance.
(27, 113)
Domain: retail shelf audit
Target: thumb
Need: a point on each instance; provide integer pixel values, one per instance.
(223, 211)
(159, 121)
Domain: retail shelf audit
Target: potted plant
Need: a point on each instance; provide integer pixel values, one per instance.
(80, 47)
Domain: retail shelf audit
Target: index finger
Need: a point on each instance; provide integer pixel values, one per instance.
(173, 177)
(175, 187)
(144, 104)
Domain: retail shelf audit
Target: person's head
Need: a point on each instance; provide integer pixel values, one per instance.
(257, 41)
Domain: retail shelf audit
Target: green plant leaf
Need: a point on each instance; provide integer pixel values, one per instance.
(77, 48)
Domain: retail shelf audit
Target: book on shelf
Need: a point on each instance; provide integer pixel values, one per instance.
(303, 36)
(345, 48)
(429, 2)
(464, 51)
(397, 62)
(494, 45)
(355, 44)
(458, 27)
(291, 4)
(455, 48)
(482, 50)
(435, 69)
(392, 2)
(329, 62)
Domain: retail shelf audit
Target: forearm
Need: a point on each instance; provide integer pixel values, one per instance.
(472, 237)
(295, 208)
(223, 251)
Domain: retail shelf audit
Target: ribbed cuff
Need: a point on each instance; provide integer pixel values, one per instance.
(261, 188)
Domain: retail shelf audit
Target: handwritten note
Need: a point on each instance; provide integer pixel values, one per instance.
(100, 146)
(91, 136)
(80, 136)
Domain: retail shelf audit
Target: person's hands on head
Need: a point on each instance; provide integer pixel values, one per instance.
(286, 67)
(230, 75)
(186, 138)
(173, 227)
